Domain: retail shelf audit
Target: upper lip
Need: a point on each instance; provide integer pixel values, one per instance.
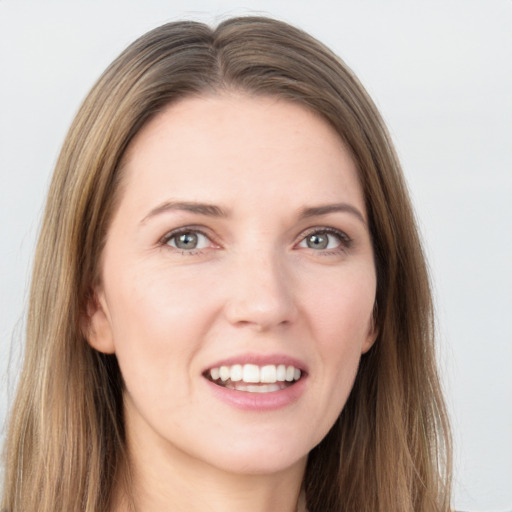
(259, 360)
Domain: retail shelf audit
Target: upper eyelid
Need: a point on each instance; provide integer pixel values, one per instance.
(186, 229)
(325, 229)
(164, 242)
(345, 242)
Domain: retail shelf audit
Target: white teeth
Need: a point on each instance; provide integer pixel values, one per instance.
(224, 373)
(268, 388)
(236, 373)
(251, 388)
(268, 374)
(281, 373)
(251, 373)
(254, 374)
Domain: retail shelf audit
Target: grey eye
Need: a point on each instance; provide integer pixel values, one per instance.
(189, 240)
(318, 241)
(321, 240)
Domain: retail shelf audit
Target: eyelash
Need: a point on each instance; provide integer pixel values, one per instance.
(345, 241)
(184, 231)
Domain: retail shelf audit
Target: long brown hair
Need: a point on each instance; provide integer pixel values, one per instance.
(390, 447)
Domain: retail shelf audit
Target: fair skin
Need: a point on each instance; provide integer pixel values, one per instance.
(240, 239)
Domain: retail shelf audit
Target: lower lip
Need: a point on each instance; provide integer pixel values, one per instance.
(259, 401)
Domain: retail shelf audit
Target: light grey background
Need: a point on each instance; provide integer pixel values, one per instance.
(441, 73)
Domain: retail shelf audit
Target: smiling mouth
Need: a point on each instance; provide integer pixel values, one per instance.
(252, 378)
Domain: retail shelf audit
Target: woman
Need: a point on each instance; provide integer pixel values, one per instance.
(230, 306)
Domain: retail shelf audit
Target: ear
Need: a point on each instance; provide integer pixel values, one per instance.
(373, 332)
(97, 325)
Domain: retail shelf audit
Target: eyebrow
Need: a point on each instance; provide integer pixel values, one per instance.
(212, 210)
(316, 211)
(187, 206)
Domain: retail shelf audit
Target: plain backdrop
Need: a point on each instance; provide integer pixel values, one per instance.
(441, 73)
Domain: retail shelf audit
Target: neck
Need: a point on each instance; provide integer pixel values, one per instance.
(159, 490)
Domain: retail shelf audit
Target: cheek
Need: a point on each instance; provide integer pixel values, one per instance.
(342, 310)
(147, 330)
(155, 305)
(158, 319)
(341, 319)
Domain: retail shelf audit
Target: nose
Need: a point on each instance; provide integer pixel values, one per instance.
(260, 293)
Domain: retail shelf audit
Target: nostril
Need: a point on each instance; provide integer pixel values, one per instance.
(260, 313)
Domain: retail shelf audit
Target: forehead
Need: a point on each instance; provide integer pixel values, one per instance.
(214, 147)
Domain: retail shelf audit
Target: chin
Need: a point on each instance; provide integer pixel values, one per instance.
(258, 454)
(262, 464)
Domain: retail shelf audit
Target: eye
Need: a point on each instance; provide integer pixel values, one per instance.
(325, 239)
(187, 240)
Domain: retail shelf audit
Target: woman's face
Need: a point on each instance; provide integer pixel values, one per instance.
(237, 283)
